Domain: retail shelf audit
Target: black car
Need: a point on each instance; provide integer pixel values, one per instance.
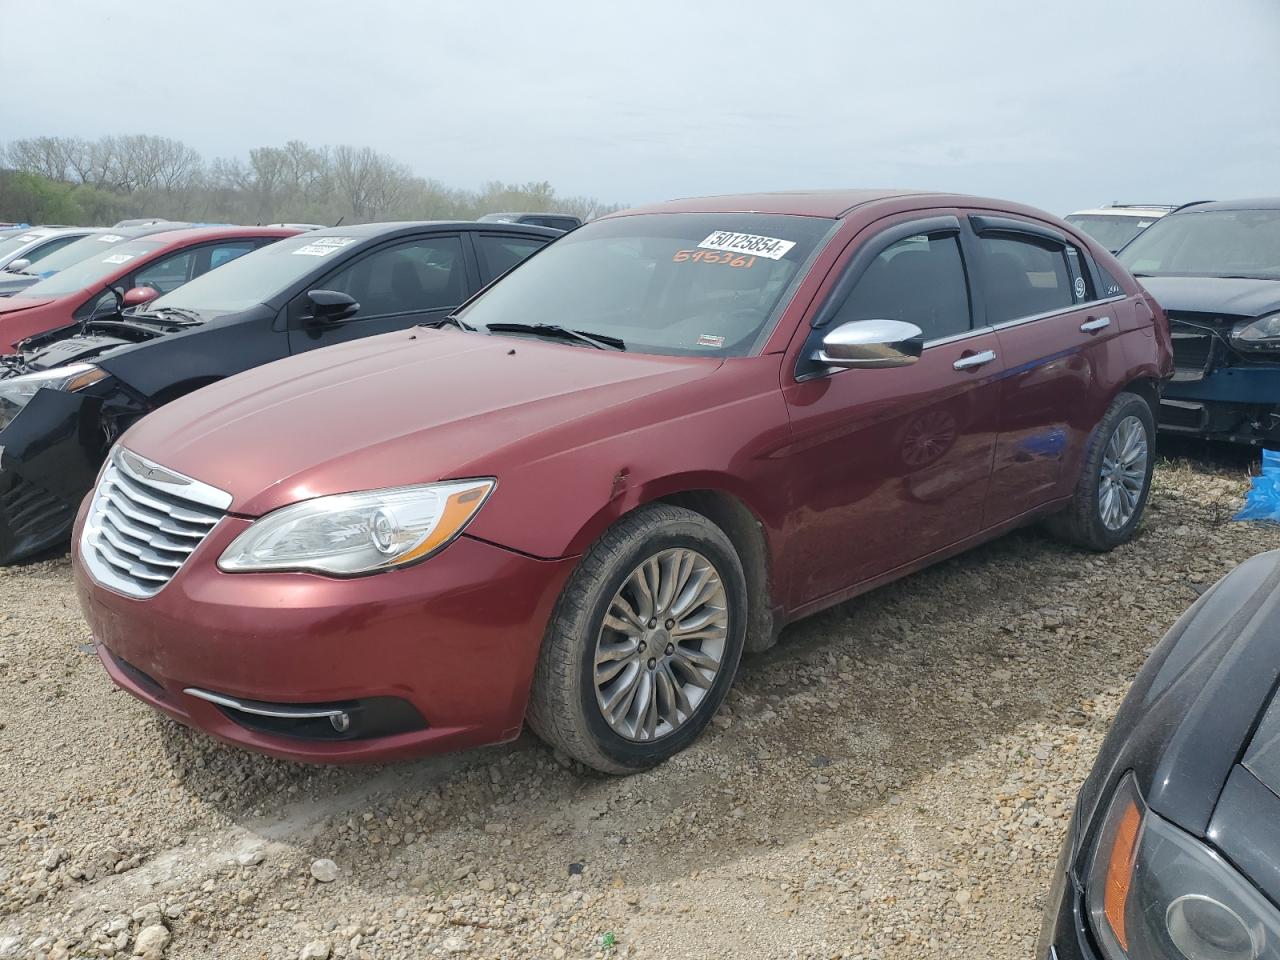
(1174, 849)
(563, 222)
(1215, 268)
(69, 393)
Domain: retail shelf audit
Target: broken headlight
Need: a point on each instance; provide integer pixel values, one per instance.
(17, 392)
(1260, 334)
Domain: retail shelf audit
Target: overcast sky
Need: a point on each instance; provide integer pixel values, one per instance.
(1062, 105)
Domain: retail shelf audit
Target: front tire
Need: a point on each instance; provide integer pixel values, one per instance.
(644, 642)
(1115, 479)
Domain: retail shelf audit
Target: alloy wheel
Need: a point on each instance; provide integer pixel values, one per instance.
(661, 645)
(1124, 473)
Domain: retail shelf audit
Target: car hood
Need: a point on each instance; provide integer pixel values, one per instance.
(402, 408)
(16, 304)
(1220, 295)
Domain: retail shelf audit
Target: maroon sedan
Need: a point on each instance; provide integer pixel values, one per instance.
(578, 500)
(123, 268)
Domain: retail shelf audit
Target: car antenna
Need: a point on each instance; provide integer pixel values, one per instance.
(340, 219)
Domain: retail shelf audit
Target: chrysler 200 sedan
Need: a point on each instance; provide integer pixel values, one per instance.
(578, 499)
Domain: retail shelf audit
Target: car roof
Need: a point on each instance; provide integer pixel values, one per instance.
(1256, 203)
(1121, 212)
(394, 227)
(830, 204)
(185, 235)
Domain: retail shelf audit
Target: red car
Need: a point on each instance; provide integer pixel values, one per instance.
(128, 271)
(642, 452)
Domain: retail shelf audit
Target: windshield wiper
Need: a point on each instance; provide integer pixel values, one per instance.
(601, 341)
(450, 320)
(187, 316)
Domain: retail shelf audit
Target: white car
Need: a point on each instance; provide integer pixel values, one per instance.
(1116, 225)
(21, 248)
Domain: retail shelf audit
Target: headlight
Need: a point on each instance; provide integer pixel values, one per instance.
(17, 392)
(1255, 334)
(354, 533)
(1155, 892)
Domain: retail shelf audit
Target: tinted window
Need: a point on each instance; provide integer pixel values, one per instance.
(53, 246)
(1110, 285)
(226, 252)
(167, 273)
(500, 254)
(1023, 277)
(555, 223)
(1208, 243)
(424, 274)
(684, 284)
(919, 280)
(106, 258)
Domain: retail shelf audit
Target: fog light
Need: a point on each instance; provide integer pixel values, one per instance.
(1205, 929)
(340, 721)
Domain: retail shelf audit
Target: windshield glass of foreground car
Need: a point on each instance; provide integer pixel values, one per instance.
(1111, 231)
(104, 262)
(255, 277)
(684, 284)
(1214, 243)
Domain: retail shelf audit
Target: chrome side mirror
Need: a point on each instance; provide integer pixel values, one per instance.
(871, 343)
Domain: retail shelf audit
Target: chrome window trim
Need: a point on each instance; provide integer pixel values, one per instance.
(283, 711)
(957, 337)
(1019, 321)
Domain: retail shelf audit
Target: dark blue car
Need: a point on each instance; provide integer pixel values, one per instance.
(1215, 268)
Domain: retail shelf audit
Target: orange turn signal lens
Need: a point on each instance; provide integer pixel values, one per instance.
(1124, 849)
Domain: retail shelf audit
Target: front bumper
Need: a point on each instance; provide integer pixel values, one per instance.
(1065, 932)
(1238, 404)
(455, 638)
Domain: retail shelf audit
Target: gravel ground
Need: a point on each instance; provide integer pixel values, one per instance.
(892, 781)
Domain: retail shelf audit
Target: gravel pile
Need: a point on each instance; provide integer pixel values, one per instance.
(892, 781)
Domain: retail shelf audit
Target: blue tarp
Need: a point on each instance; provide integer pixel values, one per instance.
(1263, 500)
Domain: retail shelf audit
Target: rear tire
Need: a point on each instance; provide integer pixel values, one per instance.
(644, 642)
(1115, 479)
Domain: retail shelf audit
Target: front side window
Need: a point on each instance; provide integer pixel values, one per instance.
(1208, 243)
(1024, 277)
(499, 254)
(226, 252)
(47, 249)
(167, 273)
(918, 280)
(425, 274)
(679, 284)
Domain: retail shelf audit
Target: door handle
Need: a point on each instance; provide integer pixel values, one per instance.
(1092, 325)
(974, 360)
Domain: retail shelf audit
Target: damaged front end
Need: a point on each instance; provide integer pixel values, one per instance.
(1226, 382)
(55, 429)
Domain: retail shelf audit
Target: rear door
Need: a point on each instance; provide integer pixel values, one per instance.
(397, 285)
(1053, 330)
(892, 465)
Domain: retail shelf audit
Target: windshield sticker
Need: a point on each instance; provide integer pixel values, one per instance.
(707, 340)
(27, 239)
(118, 258)
(748, 243)
(323, 246)
(699, 256)
(109, 238)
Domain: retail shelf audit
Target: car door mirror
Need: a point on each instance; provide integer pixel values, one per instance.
(330, 306)
(871, 343)
(17, 266)
(137, 296)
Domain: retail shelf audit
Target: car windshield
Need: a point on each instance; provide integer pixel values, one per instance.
(1113, 232)
(681, 284)
(108, 260)
(255, 277)
(14, 243)
(82, 249)
(1209, 243)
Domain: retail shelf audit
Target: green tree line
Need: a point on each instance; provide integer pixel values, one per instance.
(77, 181)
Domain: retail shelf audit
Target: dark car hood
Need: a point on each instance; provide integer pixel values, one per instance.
(398, 409)
(1220, 295)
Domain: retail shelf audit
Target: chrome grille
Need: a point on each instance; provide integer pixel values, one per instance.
(143, 523)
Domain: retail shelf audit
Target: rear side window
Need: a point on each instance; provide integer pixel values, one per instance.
(1023, 277)
(226, 252)
(499, 254)
(919, 280)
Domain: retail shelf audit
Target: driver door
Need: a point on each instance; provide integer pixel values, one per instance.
(892, 465)
(396, 286)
